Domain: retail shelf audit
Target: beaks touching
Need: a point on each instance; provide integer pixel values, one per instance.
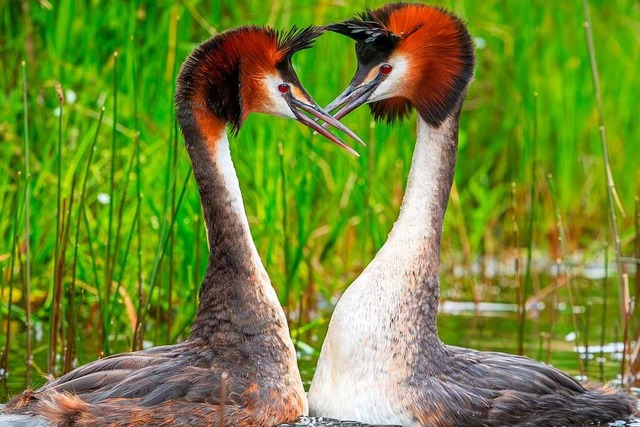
(350, 99)
(297, 105)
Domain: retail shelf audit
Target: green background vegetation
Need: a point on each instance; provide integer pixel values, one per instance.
(317, 214)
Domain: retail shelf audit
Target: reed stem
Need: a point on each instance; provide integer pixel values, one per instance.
(528, 285)
(612, 195)
(516, 254)
(560, 263)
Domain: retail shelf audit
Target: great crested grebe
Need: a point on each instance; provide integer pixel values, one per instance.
(238, 367)
(382, 360)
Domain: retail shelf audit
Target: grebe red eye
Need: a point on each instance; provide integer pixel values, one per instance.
(385, 69)
(284, 88)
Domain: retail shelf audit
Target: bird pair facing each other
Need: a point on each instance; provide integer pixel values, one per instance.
(382, 360)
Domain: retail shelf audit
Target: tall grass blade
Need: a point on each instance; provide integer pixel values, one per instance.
(56, 282)
(552, 323)
(637, 251)
(164, 239)
(285, 230)
(71, 311)
(612, 196)
(70, 347)
(605, 303)
(54, 316)
(16, 215)
(636, 224)
(56, 254)
(7, 337)
(112, 198)
(27, 215)
(56, 307)
(136, 341)
(101, 298)
(112, 303)
(634, 359)
(587, 325)
(626, 299)
(172, 234)
(116, 246)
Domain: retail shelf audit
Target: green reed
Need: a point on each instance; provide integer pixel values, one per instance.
(27, 214)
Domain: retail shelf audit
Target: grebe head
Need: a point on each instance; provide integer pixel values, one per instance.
(245, 70)
(408, 55)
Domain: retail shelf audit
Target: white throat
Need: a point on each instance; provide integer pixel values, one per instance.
(222, 158)
(415, 222)
(228, 172)
(419, 221)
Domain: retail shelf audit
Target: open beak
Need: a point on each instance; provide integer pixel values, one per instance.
(297, 106)
(353, 97)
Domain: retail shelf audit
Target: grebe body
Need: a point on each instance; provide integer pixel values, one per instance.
(382, 346)
(238, 367)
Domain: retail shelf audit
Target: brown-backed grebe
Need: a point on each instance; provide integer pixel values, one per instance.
(238, 366)
(382, 360)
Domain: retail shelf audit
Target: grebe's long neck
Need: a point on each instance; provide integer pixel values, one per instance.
(236, 296)
(411, 255)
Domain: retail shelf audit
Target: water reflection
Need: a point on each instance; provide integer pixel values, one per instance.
(490, 324)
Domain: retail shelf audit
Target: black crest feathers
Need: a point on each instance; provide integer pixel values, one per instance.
(370, 27)
(296, 39)
(363, 27)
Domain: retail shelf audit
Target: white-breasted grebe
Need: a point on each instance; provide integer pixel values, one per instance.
(238, 366)
(382, 360)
